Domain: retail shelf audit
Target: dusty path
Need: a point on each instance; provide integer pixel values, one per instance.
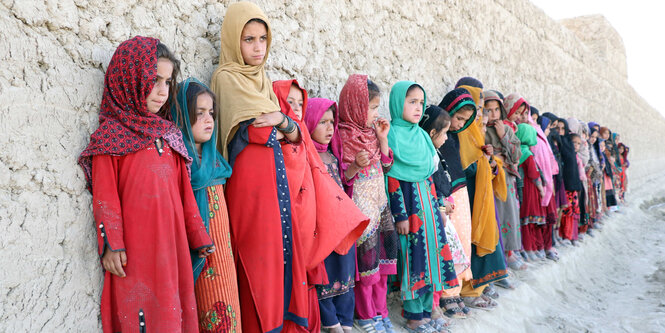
(613, 282)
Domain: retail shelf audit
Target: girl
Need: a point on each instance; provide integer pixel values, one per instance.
(216, 287)
(507, 149)
(279, 228)
(136, 169)
(436, 122)
(365, 148)
(426, 264)
(624, 164)
(570, 217)
(336, 298)
(460, 106)
(486, 179)
(531, 212)
(594, 174)
(578, 129)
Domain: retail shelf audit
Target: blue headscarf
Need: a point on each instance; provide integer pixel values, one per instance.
(209, 169)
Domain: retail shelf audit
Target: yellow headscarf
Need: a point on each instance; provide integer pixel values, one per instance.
(243, 91)
(484, 229)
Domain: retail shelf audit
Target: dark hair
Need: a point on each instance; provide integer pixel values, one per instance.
(373, 89)
(413, 87)
(258, 20)
(469, 81)
(194, 90)
(164, 52)
(435, 118)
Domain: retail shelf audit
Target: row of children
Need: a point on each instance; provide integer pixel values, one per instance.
(322, 206)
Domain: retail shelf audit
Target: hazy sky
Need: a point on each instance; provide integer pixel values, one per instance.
(641, 24)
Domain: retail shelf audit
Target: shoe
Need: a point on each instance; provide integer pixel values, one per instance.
(439, 325)
(388, 325)
(552, 255)
(424, 328)
(365, 325)
(505, 284)
(378, 324)
(532, 256)
(490, 292)
(540, 254)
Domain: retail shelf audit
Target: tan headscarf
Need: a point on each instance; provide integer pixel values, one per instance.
(243, 91)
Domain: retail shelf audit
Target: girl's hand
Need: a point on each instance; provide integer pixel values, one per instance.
(498, 126)
(269, 119)
(541, 192)
(402, 227)
(488, 150)
(450, 208)
(206, 251)
(362, 159)
(114, 261)
(381, 127)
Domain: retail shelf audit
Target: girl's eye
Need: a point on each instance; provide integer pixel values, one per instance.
(264, 38)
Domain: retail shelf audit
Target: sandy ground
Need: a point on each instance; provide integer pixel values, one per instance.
(612, 282)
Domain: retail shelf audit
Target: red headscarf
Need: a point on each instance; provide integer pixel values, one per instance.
(353, 106)
(125, 124)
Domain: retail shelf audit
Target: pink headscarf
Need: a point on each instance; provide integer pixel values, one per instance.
(316, 107)
(542, 153)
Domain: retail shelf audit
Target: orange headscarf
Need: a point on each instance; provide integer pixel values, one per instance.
(484, 229)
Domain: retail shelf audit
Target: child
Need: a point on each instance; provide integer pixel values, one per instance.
(461, 108)
(336, 298)
(426, 264)
(279, 229)
(146, 214)
(485, 179)
(365, 148)
(216, 281)
(532, 213)
(507, 149)
(436, 122)
(570, 216)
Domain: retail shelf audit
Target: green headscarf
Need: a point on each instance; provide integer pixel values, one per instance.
(528, 138)
(207, 170)
(412, 147)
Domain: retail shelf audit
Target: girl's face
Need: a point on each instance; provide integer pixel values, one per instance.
(492, 110)
(605, 135)
(253, 43)
(562, 128)
(439, 138)
(621, 150)
(601, 146)
(524, 117)
(413, 105)
(373, 111)
(534, 117)
(577, 143)
(459, 119)
(325, 129)
(518, 113)
(295, 99)
(160, 91)
(617, 140)
(594, 137)
(205, 119)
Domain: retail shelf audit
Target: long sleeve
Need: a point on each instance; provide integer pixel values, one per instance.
(106, 206)
(396, 197)
(530, 169)
(197, 236)
(511, 145)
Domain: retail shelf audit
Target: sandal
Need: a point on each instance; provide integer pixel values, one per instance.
(516, 264)
(440, 325)
(478, 303)
(455, 312)
(490, 292)
(505, 284)
(424, 328)
(365, 325)
(460, 303)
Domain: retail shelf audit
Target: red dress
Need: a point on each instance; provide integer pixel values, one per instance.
(530, 208)
(143, 203)
(285, 213)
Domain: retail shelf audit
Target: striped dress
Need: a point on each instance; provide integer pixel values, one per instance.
(217, 288)
(425, 261)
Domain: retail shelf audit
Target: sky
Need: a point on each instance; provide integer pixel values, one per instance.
(641, 24)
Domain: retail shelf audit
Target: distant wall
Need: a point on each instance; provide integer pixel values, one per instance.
(52, 60)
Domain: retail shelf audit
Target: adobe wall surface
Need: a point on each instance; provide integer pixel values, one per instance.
(52, 60)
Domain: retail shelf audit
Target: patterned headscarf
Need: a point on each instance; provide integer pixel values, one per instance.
(356, 135)
(125, 124)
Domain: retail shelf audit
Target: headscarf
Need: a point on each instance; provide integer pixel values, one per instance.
(452, 102)
(544, 122)
(243, 91)
(283, 87)
(316, 107)
(580, 129)
(484, 231)
(492, 138)
(513, 102)
(353, 130)
(592, 125)
(571, 174)
(125, 124)
(207, 170)
(528, 138)
(493, 95)
(412, 147)
(626, 149)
